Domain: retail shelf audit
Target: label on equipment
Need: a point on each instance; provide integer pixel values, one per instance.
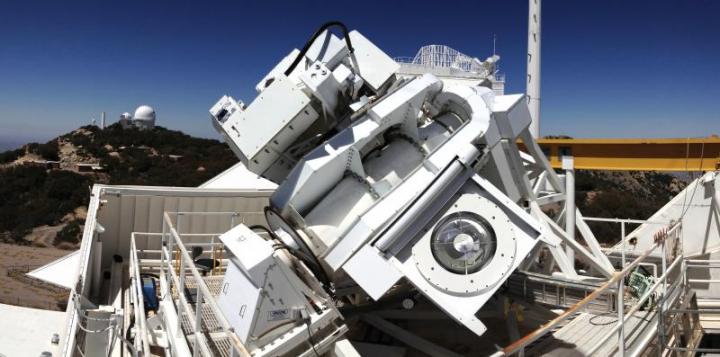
(276, 315)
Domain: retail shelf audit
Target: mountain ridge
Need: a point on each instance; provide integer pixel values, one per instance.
(46, 185)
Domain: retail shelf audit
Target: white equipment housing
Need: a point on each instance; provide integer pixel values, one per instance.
(265, 300)
(369, 165)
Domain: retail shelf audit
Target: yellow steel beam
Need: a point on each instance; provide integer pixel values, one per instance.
(682, 154)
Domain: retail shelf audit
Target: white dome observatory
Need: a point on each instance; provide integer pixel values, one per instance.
(144, 117)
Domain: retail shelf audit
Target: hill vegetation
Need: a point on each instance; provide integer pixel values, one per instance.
(34, 195)
(622, 194)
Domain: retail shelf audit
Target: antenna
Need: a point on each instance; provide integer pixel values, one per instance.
(494, 40)
(533, 65)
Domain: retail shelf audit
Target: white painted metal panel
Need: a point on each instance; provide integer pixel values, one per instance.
(237, 300)
(108, 218)
(127, 218)
(374, 66)
(374, 273)
(28, 332)
(61, 272)
(239, 177)
(141, 219)
(155, 216)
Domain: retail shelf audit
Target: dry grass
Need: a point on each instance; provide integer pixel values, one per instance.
(20, 291)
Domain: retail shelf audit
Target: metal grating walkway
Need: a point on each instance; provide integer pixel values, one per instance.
(583, 332)
(216, 341)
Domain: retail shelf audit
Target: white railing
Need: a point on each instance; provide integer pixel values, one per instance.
(142, 346)
(624, 237)
(171, 240)
(617, 281)
(174, 265)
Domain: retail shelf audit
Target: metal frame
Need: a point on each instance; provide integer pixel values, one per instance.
(173, 271)
(669, 293)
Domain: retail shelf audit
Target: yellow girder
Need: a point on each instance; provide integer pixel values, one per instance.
(678, 154)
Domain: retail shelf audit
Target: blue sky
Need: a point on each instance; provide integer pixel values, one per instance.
(610, 68)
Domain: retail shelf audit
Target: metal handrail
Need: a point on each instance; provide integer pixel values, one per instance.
(179, 286)
(623, 220)
(140, 299)
(616, 279)
(636, 306)
(202, 288)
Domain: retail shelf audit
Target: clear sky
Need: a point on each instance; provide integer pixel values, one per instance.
(609, 68)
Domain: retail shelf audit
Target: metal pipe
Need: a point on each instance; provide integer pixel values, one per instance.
(696, 261)
(620, 321)
(140, 303)
(640, 345)
(701, 311)
(229, 213)
(697, 281)
(533, 66)
(661, 306)
(622, 246)
(569, 205)
(584, 254)
(620, 220)
(198, 318)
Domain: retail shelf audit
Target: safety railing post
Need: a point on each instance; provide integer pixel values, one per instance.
(181, 290)
(621, 317)
(198, 317)
(179, 266)
(663, 295)
(622, 240)
(170, 248)
(163, 244)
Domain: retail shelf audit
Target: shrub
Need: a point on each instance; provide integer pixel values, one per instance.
(49, 150)
(10, 155)
(71, 233)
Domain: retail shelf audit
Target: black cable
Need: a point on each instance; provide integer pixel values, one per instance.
(312, 343)
(300, 242)
(314, 37)
(260, 227)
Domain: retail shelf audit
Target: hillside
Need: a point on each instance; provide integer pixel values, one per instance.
(621, 194)
(44, 190)
(43, 203)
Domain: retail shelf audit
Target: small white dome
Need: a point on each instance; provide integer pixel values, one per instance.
(125, 115)
(144, 112)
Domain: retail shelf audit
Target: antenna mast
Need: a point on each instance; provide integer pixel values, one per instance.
(533, 66)
(494, 40)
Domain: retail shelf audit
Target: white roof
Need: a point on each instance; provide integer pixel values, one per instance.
(144, 112)
(239, 177)
(61, 272)
(28, 332)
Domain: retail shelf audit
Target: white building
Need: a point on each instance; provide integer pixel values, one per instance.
(144, 118)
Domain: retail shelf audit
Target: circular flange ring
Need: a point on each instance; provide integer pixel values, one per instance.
(485, 278)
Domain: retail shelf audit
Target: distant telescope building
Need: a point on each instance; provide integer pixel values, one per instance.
(144, 118)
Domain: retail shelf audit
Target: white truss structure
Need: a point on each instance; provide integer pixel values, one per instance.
(441, 56)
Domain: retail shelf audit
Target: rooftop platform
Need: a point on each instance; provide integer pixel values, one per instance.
(30, 332)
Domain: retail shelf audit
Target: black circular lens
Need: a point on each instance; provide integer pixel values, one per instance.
(463, 242)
